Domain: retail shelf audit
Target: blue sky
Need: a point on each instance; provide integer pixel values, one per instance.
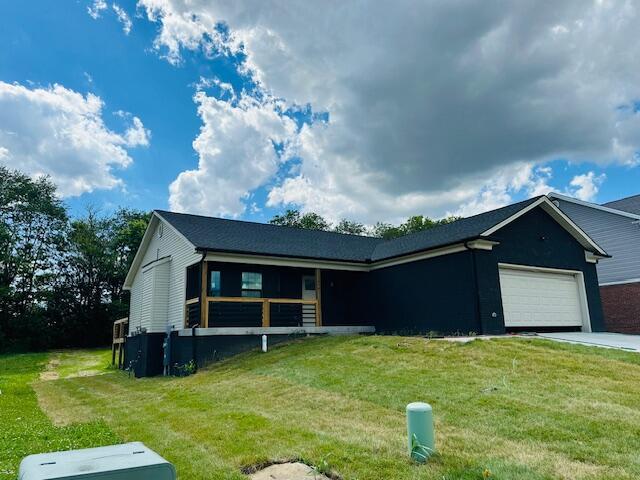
(338, 163)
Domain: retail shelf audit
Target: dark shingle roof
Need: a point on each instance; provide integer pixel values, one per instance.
(217, 234)
(628, 204)
(460, 230)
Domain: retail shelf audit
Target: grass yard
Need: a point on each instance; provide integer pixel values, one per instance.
(24, 428)
(519, 408)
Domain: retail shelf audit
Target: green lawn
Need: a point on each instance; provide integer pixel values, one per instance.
(24, 428)
(529, 409)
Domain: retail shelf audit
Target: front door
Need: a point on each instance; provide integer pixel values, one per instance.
(308, 293)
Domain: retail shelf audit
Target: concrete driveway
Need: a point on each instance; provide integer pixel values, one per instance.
(607, 340)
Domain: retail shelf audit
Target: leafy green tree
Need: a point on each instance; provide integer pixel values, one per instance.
(101, 249)
(313, 221)
(33, 223)
(386, 231)
(414, 224)
(126, 229)
(290, 218)
(293, 218)
(347, 226)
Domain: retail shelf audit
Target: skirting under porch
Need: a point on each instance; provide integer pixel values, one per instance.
(149, 354)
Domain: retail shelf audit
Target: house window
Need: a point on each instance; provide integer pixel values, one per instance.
(251, 284)
(214, 284)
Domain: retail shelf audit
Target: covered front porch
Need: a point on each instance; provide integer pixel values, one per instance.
(235, 298)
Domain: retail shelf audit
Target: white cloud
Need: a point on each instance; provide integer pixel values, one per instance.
(136, 135)
(585, 187)
(503, 184)
(236, 154)
(427, 100)
(123, 18)
(59, 132)
(95, 9)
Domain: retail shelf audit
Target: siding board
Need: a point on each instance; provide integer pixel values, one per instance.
(618, 235)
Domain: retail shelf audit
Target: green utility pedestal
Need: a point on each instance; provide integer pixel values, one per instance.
(421, 438)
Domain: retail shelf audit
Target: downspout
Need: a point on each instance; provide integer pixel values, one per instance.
(474, 268)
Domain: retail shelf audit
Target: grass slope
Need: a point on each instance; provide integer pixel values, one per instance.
(24, 428)
(520, 408)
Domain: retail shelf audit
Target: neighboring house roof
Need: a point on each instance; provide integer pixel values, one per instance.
(628, 204)
(616, 230)
(234, 236)
(606, 207)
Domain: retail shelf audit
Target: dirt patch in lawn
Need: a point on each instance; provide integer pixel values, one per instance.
(50, 373)
(287, 470)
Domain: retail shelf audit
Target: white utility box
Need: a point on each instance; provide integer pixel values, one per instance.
(129, 461)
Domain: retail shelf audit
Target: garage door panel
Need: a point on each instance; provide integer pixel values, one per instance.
(540, 299)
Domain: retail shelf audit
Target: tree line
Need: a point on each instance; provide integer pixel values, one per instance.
(61, 278)
(311, 220)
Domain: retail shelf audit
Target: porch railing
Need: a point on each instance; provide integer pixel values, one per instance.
(254, 312)
(120, 332)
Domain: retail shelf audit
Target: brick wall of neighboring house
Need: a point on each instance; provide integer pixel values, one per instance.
(621, 306)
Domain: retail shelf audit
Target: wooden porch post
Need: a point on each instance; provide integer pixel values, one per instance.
(318, 298)
(204, 303)
(266, 313)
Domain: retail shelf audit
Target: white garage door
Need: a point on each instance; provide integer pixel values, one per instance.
(540, 299)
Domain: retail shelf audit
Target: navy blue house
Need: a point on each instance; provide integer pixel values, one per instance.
(203, 288)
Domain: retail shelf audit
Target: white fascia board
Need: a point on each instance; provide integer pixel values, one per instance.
(595, 206)
(513, 217)
(436, 252)
(559, 216)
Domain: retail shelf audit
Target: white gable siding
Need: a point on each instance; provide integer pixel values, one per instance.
(168, 282)
(619, 236)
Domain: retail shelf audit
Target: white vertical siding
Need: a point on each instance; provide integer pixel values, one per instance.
(618, 235)
(160, 310)
(169, 281)
(147, 299)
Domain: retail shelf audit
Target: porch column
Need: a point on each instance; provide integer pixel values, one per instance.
(204, 304)
(266, 313)
(318, 298)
